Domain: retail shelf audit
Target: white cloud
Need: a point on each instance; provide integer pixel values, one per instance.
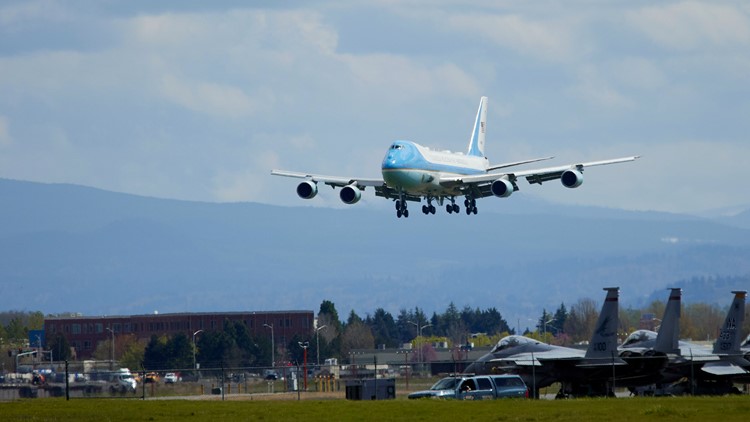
(210, 98)
(693, 25)
(543, 38)
(597, 90)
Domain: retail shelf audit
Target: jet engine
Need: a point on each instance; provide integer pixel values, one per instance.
(307, 189)
(571, 178)
(350, 194)
(502, 188)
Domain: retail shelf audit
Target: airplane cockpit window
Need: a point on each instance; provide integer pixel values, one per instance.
(639, 336)
(511, 341)
(396, 147)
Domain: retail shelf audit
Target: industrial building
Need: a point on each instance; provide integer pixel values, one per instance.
(85, 332)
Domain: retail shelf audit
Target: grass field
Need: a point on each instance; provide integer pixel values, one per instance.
(313, 408)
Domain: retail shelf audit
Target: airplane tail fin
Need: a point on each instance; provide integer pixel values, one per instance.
(604, 341)
(729, 336)
(476, 143)
(667, 341)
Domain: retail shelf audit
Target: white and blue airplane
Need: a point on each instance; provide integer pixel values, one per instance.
(412, 172)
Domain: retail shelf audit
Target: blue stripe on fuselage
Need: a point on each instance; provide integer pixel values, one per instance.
(404, 155)
(405, 167)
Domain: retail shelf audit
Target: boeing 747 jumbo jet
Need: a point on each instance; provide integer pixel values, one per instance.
(412, 172)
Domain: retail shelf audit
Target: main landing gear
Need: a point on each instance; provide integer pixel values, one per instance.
(401, 208)
(471, 205)
(429, 208)
(452, 207)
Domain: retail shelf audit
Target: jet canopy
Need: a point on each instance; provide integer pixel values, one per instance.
(512, 341)
(639, 336)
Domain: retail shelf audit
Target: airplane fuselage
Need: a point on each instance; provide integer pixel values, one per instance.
(417, 170)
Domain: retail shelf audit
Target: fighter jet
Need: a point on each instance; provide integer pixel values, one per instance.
(691, 368)
(540, 364)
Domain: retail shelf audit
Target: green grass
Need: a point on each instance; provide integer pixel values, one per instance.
(599, 410)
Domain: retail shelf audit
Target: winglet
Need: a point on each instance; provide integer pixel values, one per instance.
(604, 341)
(667, 341)
(476, 143)
(729, 335)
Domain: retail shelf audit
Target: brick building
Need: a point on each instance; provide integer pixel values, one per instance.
(85, 332)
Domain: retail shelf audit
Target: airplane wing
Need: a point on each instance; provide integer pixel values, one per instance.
(479, 186)
(540, 358)
(335, 181)
(381, 189)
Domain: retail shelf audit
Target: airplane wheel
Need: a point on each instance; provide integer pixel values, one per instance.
(398, 213)
(398, 205)
(475, 210)
(432, 209)
(449, 209)
(468, 210)
(406, 213)
(424, 209)
(455, 208)
(466, 203)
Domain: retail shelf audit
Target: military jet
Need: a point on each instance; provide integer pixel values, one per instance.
(690, 368)
(589, 372)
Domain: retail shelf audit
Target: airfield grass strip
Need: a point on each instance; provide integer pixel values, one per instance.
(599, 410)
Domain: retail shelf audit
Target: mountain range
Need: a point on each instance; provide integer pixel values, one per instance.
(69, 248)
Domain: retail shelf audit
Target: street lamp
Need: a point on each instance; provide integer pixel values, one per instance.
(273, 347)
(419, 335)
(112, 361)
(195, 364)
(317, 343)
(304, 346)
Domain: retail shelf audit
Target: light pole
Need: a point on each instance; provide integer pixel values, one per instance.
(112, 361)
(273, 347)
(419, 335)
(317, 344)
(304, 347)
(195, 364)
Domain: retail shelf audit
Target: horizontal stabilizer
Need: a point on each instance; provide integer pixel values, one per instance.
(723, 368)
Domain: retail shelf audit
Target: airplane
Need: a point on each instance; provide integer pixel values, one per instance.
(579, 372)
(411, 171)
(707, 370)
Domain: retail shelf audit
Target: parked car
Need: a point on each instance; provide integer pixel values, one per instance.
(492, 387)
(151, 377)
(476, 388)
(171, 378)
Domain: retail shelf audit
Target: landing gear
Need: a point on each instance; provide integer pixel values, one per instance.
(471, 205)
(401, 209)
(429, 208)
(452, 207)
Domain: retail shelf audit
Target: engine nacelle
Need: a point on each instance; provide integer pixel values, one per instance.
(502, 188)
(350, 194)
(571, 178)
(307, 189)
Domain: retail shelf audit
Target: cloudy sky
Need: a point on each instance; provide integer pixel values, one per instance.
(200, 100)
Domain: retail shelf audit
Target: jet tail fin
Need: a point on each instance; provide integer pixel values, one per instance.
(603, 343)
(667, 341)
(729, 335)
(476, 143)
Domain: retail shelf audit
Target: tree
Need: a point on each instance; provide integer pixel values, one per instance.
(132, 353)
(356, 335)
(60, 347)
(383, 328)
(156, 355)
(581, 320)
